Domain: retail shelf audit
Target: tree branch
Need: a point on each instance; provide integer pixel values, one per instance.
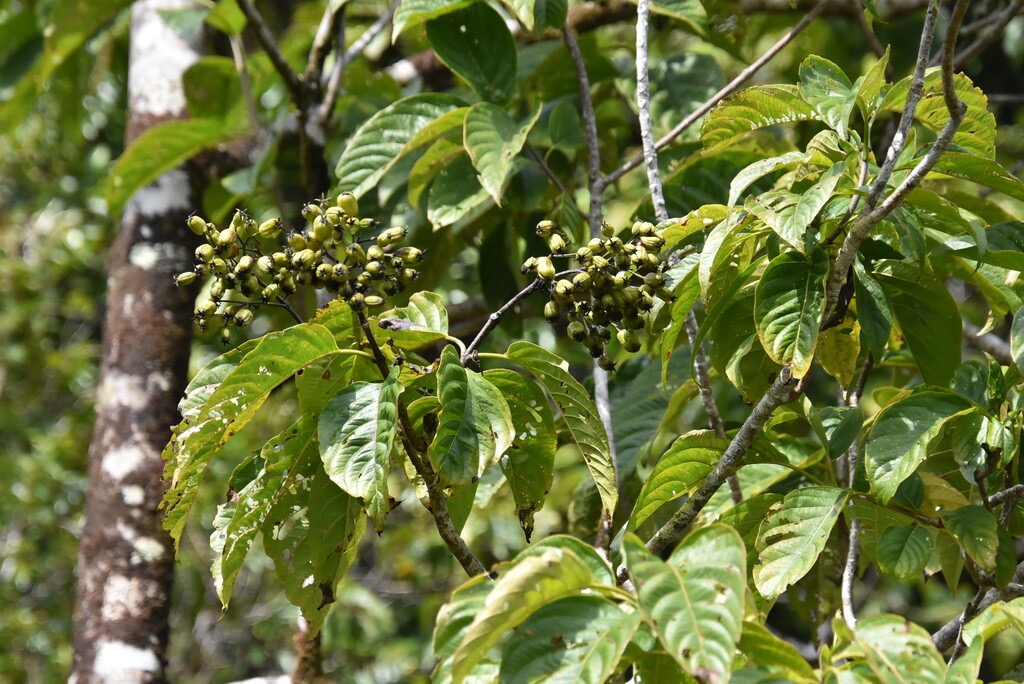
(727, 90)
(494, 318)
(265, 38)
(782, 391)
(995, 346)
(853, 540)
(990, 36)
(873, 214)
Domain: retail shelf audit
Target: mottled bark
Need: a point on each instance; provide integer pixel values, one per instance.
(125, 560)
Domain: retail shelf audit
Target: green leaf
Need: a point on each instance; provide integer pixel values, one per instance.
(794, 535)
(791, 214)
(903, 552)
(977, 131)
(312, 534)
(600, 570)
(162, 148)
(690, 12)
(71, 24)
(874, 313)
(678, 473)
(928, 317)
(285, 458)
(841, 425)
(381, 141)
(771, 653)
(227, 17)
(230, 407)
(493, 139)
(524, 11)
(574, 639)
(761, 168)
(789, 301)
(900, 649)
(826, 87)
(951, 559)
(549, 14)
(437, 157)
(475, 426)
(356, 430)
(423, 321)
(1017, 339)
(580, 414)
(694, 601)
(980, 170)
(976, 530)
(417, 11)
(530, 583)
(475, 43)
(964, 670)
(213, 91)
(457, 195)
(869, 87)
(529, 463)
(454, 619)
(751, 109)
(899, 439)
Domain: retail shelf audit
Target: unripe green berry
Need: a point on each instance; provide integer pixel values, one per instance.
(245, 264)
(186, 278)
(206, 308)
(271, 291)
(217, 290)
(310, 211)
(606, 363)
(629, 340)
(374, 268)
(391, 236)
(265, 264)
(545, 228)
(355, 302)
(374, 253)
(205, 253)
(270, 229)
(577, 331)
(225, 337)
(196, 224)
(410, 255)
(227, 237)
(606, 230)
(545, 269)
(556, 243)
(322, 229)
(373, 300)
(355, 253)
(243, 317)
(297, 241)
(348, 203)
(303, 258)
(407, 275)
(325, 272)
(552, 311)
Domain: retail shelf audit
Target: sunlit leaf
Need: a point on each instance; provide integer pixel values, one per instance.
(794, 535)
(751, 109)
(678, 472)
(976, 530)
(903, 552)
(493, 139)
(827, 88)
(788, 306)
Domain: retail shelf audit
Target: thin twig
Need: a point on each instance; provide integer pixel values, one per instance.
(727, 90)
(343, 59)
(782, 391)
(995, 346)
(414, 447)
(553, 177)
(950, 633)
(266, 40)
(590, 127)
(853, 539)
(322, 42)
(990, 36)
(494, 318)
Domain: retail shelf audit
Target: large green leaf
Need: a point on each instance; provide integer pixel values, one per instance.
(690, 12)
(580, 414)
(977, 131)
(312, 534)
(794, 535)
(475, 426)
(423, 321)
(529, 463)
(574, 639)
(379, 143)
(230, 406)
(899, 649)
(454, 619)
(160, 149)
(980, 170)
(977, 531)
(547, 13)
(493, 139)
(437, 157)
(1017, 339)
(678, 472)
(286, 457)
(899, 439)
(356, 430)
(753, 108)
(826, 87)
(903, 552)
(530, 583)
(694, 601)
(476, 44)
(789, 301)
(761, 168)
(928, 317)
(874, 313)
(456, 194)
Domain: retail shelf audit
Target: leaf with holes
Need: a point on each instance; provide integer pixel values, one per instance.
(272, 361)
(827, 88)
(356, 431)
(678, 472)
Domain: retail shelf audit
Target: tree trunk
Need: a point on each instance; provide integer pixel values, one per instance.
(126, 559)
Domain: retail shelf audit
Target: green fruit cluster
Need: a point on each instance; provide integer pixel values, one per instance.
(254, 264)
(610, 291)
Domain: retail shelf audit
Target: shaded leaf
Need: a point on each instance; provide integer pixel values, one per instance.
(493, 139)
(789, 301)
(773, 654)
(475, 43)
(976, 530)
(903, 552)
(578, 409)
